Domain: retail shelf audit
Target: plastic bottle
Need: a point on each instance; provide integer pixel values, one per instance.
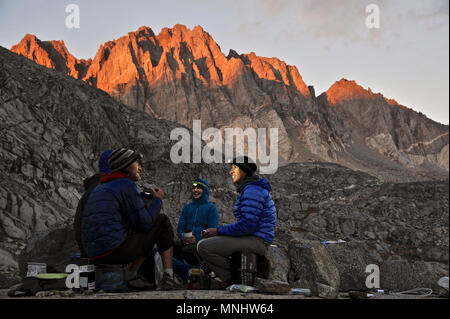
(300, 291)
(241, 288)
(326, 242)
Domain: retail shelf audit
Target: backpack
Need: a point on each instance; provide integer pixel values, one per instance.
(31, 285)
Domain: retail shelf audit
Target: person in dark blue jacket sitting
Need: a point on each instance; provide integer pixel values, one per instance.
(118, 227)
(195, 216)
(254, 229)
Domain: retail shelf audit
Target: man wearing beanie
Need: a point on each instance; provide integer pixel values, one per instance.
(195, 216)
(254, 228)
(119, 228)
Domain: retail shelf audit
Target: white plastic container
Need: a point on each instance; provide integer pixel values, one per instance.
(36, 269)
(187, 234)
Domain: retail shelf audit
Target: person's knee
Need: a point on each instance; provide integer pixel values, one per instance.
(163, 222)
(163, 219)
(202, 247)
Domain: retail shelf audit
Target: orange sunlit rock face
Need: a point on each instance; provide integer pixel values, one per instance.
(51, 54)
(275, 70)
(345, 90)
(392, 102)
(148, 58)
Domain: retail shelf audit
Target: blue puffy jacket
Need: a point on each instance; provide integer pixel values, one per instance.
(198, 215)
(113, 208)
(254, 210)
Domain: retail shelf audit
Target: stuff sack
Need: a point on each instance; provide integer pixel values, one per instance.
(41, 282)
(243, 268)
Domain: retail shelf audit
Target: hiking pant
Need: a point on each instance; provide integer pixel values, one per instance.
(215, 251)
(140, 244)
(187, 252)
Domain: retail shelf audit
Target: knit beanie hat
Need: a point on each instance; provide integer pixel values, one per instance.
(245, 164)
(122, 158)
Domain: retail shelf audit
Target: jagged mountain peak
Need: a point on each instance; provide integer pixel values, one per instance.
(276, 70)
(145, 29)
(29, 37)
(52, 54)
(182, 32)
(179, 49)
(184, 29)
(345, 90)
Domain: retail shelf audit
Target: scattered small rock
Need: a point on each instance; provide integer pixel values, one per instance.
(67, 293)
(47, 293)
(88, 292)
(276, 287)
(327, 292)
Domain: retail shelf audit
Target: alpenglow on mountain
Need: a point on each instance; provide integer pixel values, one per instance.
(182, 75)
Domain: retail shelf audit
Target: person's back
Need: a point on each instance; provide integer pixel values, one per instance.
(115, 206)
(89, 184)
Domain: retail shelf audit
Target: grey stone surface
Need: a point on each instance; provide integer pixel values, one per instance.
(403, 275)
(275, 287)
(314, 268)
(202, 294)
(327, 292)
(52, 247)
(443, 287)
(278, 263)
(351, 259)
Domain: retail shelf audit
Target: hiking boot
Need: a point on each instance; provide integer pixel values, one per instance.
(218, 284)
(204, 266)
(139, 283)
(169, 283)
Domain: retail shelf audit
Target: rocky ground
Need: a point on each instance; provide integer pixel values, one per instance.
(203, 294)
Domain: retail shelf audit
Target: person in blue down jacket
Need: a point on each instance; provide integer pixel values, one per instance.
(254, 230)
(195, 216)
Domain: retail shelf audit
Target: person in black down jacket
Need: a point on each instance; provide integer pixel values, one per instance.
(119, 228)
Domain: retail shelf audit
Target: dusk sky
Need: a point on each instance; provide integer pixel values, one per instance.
(406, 59)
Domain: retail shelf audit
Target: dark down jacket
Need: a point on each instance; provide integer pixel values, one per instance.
(112, 210)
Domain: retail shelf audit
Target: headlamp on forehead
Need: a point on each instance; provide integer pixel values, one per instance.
(199, 184)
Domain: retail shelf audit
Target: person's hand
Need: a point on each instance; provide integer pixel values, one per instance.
(189, 240)
(149, 191)
(158, 192)
(209, 232)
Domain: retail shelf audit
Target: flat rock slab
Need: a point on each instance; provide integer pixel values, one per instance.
(314, 268)
(202, 294)
(177, 294)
